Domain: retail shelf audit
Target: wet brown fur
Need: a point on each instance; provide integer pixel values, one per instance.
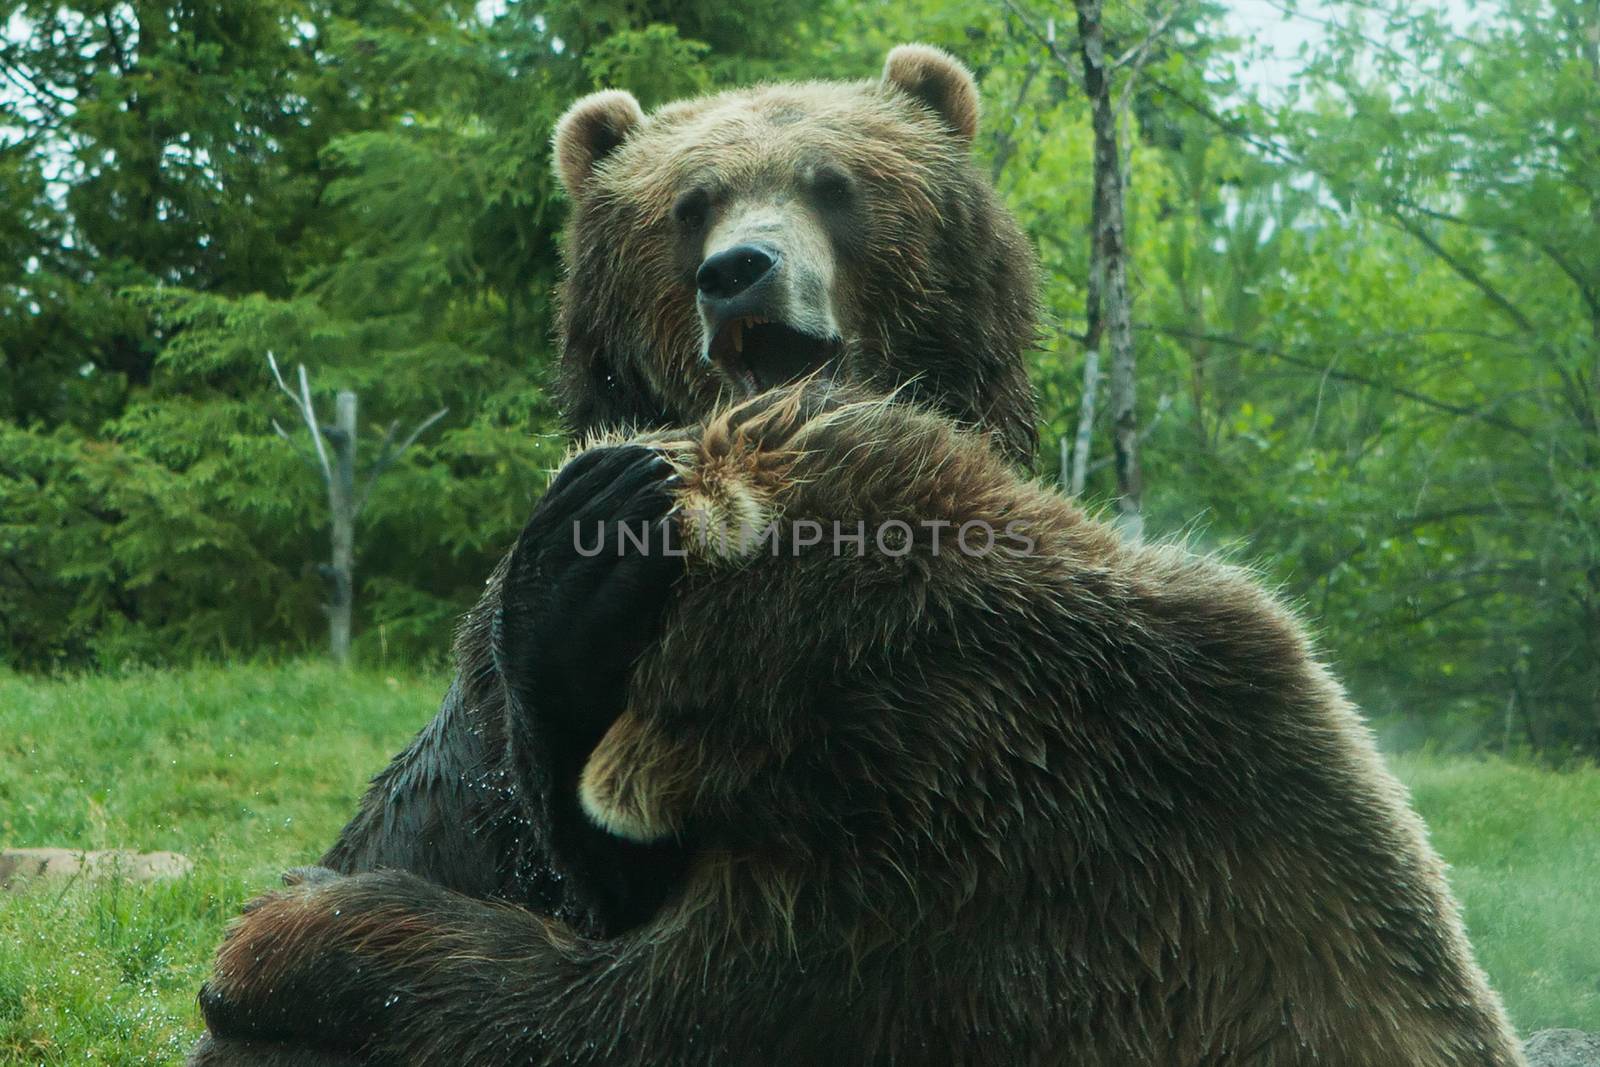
(1150, 830)
(1093, 804)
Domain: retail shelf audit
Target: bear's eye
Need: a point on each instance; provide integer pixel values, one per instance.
(833, 186)
(691, 209)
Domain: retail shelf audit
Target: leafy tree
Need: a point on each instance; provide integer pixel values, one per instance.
(1469, 161)
(1367, 313)
(363, 188)
(1368, 309)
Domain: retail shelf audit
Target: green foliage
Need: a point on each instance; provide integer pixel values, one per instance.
(1468, 166)
(362, 189)
(654, 56)
(133, 550)
(1368, 312)
(1369, 324)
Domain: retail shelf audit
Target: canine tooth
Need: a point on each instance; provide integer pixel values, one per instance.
(738, 335)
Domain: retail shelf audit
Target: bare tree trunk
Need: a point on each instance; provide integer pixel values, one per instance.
(1109, 268)
(1511, 718)
(342, 509)
(345, 498)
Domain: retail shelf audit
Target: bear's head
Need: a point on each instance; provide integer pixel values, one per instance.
(730, 243)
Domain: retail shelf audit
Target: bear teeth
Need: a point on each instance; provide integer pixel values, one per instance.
(738, 327)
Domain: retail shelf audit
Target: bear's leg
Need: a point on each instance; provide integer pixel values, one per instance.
(443, 808)
(391, 968)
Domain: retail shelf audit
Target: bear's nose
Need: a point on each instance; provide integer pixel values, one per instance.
(731, 272)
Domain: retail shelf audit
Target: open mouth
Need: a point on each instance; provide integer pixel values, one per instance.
(759, 353)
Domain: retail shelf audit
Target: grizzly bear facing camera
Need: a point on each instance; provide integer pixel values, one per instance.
(800, 726)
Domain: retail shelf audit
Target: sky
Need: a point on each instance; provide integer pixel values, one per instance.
(1276, 37)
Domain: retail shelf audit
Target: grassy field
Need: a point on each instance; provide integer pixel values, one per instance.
(250, 770)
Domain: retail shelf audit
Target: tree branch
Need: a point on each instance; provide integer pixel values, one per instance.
(1587, 287)
(1043, 38)
(1391, 208)
(309, 459)
(1138, 51)
(387, 457)
(1007, 145)
(1471, 276)
(307, 411)
(1348, 376)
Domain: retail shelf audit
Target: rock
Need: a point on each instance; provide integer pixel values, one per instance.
(20, 866)
(1563, 1048)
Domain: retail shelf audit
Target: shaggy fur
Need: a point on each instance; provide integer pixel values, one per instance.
(1065, 801)
(1150, 830)
(936, 283)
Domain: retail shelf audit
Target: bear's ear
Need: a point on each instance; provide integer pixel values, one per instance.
(591, 130)
(937, 79)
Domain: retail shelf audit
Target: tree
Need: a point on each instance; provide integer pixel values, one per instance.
(1108, 302)
(1478, 149)
(345, 497)
(364, 188)
(1110, 308)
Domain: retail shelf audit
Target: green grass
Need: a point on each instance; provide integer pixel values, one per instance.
(249, 770)
(1524, 844)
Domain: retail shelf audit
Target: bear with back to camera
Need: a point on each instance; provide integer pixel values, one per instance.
(895, 757)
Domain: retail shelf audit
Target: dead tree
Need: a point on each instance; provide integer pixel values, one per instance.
(345, 499)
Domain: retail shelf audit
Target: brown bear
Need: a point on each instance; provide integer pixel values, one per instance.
(918, 762)
(894, 265)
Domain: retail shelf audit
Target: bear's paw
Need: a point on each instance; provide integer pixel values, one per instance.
(637, 784)
(733, 479)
